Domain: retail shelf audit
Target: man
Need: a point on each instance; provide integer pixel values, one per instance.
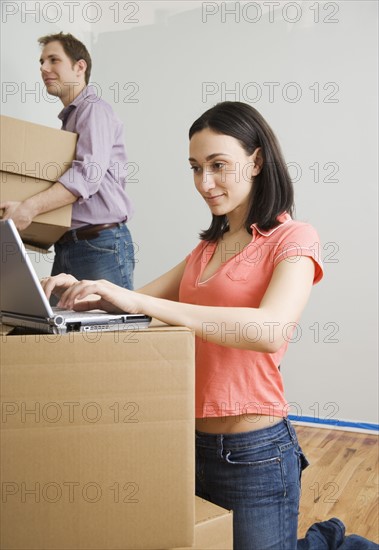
(99, 244)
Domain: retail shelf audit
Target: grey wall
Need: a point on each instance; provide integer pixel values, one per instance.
(311, 69)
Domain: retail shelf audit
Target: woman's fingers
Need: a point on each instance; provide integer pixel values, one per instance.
(57, 284)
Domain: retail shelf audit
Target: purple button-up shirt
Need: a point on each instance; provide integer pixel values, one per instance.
(97, 175)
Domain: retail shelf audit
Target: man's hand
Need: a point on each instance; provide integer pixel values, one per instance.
(21, 215)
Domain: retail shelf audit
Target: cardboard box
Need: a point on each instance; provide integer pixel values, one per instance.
(33, 157)
(97, 440)
(213, 527)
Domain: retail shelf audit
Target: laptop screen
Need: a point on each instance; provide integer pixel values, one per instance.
(21, 292)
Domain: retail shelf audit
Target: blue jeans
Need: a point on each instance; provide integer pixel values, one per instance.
(330, 535)
(109, 256)
(257, 475)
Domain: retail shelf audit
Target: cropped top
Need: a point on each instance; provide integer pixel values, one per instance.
(232, 381)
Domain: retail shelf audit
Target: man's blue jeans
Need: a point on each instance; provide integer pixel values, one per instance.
(257, 475)
(109, 256)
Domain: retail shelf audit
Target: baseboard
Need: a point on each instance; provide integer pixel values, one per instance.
(334, 424)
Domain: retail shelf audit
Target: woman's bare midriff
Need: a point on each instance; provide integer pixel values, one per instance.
(235, 424)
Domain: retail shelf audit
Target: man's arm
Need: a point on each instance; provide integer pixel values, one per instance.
(23, 213)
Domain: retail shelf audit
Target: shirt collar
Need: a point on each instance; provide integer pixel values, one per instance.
(87, 92)
(282, 218)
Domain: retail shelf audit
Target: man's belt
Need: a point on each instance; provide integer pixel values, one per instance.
(85, 233)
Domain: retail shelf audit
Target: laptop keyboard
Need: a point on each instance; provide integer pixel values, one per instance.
(74, 314)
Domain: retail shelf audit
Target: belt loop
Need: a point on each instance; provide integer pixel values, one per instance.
(220, 445)
(290, 430)
(74, 237)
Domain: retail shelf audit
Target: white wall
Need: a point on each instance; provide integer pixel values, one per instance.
(311, 69)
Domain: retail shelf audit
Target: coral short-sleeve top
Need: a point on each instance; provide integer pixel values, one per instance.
(232, 381)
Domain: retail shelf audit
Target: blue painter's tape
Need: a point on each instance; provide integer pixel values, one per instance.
(335, 422)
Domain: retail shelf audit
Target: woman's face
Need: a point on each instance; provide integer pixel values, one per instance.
(223, 172)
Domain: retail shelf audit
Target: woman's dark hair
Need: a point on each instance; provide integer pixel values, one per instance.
(73, 48)
(272, 192)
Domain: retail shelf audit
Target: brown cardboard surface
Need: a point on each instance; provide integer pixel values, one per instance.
(34, 150)
(46, 228)
(32, 158)
(97, 444)
(213, 527)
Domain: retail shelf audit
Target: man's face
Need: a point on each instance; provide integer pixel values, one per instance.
(62, 77)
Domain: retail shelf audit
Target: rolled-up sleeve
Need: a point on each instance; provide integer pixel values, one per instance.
(96, 136)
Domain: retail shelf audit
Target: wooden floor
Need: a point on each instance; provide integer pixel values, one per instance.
(341, 481)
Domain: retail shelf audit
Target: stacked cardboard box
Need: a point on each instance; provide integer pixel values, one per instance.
(97, 446)
(213, 527)
(33, 157)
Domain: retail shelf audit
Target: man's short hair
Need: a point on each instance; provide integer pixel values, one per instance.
(72, 47)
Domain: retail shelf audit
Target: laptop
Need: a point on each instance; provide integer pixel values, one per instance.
(23, 302)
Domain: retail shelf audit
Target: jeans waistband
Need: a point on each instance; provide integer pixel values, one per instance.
(247, 439)
(87, 232)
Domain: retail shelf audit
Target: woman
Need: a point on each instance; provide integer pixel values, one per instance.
(242, 290)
